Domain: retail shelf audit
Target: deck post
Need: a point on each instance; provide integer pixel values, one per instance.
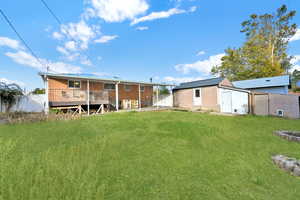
(88, 97)
(47, 95)
(140, 103)
(117, 96)
(157, 93)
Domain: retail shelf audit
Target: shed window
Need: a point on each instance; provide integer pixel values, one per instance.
(74, 84)
(197, 93)
(109, 86)
(127, 87)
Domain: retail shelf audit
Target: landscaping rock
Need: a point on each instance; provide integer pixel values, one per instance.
(289, 135)
(296, 171)
(290, 165)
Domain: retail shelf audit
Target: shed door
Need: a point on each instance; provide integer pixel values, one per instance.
(197, 97)
(226, 101)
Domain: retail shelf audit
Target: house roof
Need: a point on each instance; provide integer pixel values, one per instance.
(275, 81)
(96, 78)
(200, 83)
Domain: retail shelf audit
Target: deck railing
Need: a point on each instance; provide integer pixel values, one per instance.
(78, 95)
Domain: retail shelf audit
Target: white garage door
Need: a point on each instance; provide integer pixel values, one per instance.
(234, 101)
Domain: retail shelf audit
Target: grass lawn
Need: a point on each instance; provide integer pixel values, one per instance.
(152, 155)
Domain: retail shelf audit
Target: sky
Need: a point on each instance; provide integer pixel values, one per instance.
(171, 41)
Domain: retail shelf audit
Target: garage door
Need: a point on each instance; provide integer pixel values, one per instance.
(234, 101)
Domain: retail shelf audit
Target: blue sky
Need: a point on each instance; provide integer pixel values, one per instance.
(169, 40)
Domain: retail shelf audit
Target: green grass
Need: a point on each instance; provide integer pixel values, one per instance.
(153, 155)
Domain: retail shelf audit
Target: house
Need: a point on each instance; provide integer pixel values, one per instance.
(274, 85)
(86, 92)
(216, 94)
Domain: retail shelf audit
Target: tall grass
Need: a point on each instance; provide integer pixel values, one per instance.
(155, 155)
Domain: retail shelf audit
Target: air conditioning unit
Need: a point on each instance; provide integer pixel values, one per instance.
(280, 113)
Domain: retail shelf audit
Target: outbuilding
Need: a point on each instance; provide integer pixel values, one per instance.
(215, 94)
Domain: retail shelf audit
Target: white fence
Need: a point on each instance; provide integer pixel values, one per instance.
(27, 103)
(164, 100)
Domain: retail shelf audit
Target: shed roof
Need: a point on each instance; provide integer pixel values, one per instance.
(275, 81)
(200, 83)
(96, 78)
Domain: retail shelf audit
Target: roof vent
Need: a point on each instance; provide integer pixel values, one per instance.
(268, 80)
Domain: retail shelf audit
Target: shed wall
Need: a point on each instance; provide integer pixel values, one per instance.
(269, 104)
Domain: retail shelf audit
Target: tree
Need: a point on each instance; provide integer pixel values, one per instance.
(296, 81)
(38, 91)
(264, 53)
(9, 94)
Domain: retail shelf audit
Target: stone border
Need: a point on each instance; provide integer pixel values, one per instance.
(290, 165)
(288, 135)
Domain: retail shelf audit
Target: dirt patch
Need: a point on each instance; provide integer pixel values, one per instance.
(19, 117)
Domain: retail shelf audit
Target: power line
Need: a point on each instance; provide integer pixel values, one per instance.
(20, 37)
(60, 23)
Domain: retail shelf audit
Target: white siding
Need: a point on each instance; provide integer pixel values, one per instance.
(235, 102)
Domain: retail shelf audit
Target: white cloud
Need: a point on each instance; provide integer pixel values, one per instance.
(81, 32)
(296, 36)
(181, 79)
(200, 53)
(101, 74)
(158, 15)
(70, 45)
(116, 10)
(142, 28)
(106, 38)
(7, 42)
(62, 50)
(7, 81)
(201, 66)
(26, 59)
(85, 61)
(193, 9)
(57, 35)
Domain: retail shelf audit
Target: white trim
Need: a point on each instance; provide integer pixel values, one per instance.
(140, 103)
(117, 95)
(88, 97)
(46, 82)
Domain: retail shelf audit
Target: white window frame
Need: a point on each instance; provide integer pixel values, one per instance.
(74, 84)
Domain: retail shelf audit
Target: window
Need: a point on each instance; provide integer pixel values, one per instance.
(142, 88)
(127, 87)
(197, 93)
(109, 86)
(74, 84)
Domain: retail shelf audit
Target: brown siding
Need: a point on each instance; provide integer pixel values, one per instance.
(132, 94)
(210, 98)
(268, 104)
(226, 82)
(183, 98)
